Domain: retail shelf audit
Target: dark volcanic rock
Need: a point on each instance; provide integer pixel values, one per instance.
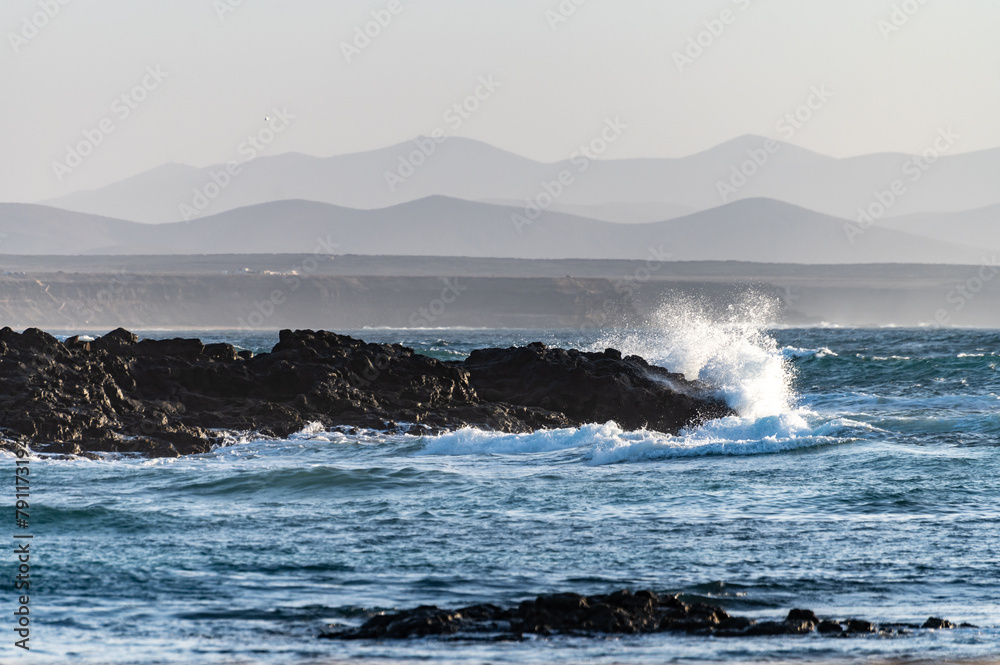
(802, 615)
(619, 612)
(798, 622)
(859, 626)
(173, 397)
(935, 623)
(591, 387)
(830, 627)
(622, 612)
(423, 621)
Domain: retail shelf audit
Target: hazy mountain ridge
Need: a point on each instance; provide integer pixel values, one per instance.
(468, 169)
(756, 230)
(977, 228)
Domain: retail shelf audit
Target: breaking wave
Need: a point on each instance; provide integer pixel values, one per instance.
(732, 352)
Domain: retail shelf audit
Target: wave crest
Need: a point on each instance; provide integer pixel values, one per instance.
(600, 444)
(730, 350)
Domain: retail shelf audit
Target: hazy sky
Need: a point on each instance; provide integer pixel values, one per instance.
(224, 64)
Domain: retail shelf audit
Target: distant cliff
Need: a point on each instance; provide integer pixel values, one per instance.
(270, 292)
(272, 301)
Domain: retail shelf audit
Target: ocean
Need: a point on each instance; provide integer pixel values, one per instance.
(861, 478)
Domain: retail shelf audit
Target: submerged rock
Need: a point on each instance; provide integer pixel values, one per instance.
(860, 626)
(934, 623)
(830, 627)
(174, 397)
(622, 612)
(562, 613)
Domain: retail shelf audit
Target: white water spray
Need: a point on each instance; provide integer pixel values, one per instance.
(732, 352)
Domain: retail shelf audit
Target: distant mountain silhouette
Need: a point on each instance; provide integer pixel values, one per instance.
(616, 190)
(976, 228)
(756, 230)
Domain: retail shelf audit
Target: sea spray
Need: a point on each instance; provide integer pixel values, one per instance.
(731, 350)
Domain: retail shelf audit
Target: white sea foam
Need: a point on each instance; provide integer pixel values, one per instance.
(793, 352)
(310, 431)
(731, 352)
(473, 441)
(609, 444)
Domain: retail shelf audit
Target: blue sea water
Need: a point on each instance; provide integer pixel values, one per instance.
(861, 479)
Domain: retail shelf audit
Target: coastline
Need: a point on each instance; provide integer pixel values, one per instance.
(271, 292)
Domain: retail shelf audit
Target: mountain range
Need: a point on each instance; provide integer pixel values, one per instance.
(626, 190)
(750, 199)
(756, 230)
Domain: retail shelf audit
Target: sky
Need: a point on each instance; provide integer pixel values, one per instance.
(145, 83)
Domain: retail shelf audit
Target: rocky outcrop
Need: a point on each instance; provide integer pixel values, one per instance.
(179, 396)
(591, 387)
(622, 612)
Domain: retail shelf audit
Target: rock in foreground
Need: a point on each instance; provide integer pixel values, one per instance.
(622, 612)
(175, 397)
